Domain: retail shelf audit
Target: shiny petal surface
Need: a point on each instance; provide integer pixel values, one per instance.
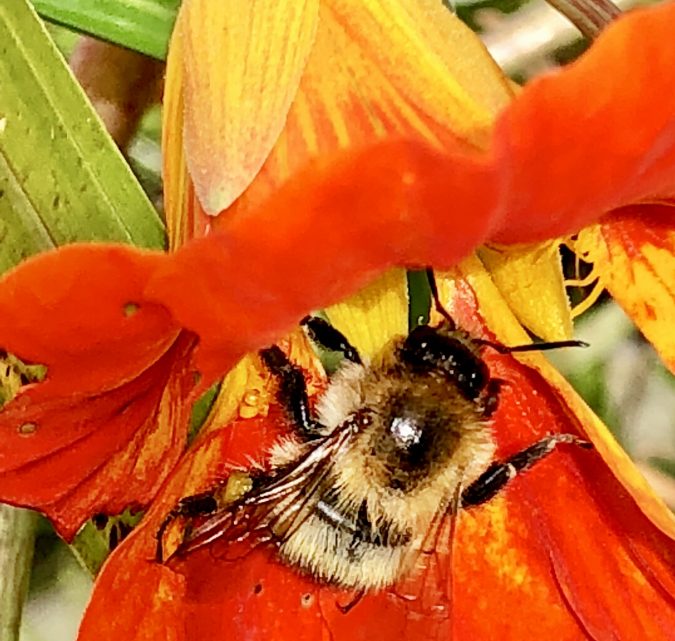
(634, 258)
(243, 63)
(90, 437)
(564, 545)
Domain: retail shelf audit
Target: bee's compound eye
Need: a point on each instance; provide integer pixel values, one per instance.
(471, 373)
(427, 350)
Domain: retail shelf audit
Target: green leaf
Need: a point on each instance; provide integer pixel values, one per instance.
(142, 25)
(100, 536)
(62, 179)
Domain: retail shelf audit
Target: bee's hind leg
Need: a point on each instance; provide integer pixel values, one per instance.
(190, 506)
(493, 480)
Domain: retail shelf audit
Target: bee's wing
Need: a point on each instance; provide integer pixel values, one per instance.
(428, 586)
(278, 507)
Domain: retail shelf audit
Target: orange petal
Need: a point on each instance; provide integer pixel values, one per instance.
(243, 63)
(213, 456)
(496, 315)
(595, 136)
(634, 257)
(91, 436)
(583, 533)
(81, 304)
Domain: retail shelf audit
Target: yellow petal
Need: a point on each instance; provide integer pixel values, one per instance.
(636, 263)
(248, 389)
(374, 315)
(530, 279)
(177, 185)
(243, 63)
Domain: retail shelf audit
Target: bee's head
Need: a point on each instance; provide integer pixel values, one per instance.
(430, 401)
(449, 353)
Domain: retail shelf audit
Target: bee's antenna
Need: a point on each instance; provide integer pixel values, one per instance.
(530, 347)
(431, 277)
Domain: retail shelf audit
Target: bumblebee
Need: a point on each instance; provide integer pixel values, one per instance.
(392, 447)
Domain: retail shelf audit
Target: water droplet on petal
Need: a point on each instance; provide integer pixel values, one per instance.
(252, 397)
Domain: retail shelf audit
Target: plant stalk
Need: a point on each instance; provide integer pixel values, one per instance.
(17, 539)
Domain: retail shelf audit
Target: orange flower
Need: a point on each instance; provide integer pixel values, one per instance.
(570, 149)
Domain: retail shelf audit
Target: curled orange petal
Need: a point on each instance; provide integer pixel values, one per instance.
(355, 213)
(595, 136)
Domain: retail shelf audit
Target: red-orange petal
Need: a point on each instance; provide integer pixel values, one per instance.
(595, 136)
(91, 436)
(324, 234)
(633, 255)
(592, 137)
(78, 311)
(610, 565)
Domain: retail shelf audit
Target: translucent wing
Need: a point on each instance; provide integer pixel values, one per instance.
(427, 586)
(279, 505)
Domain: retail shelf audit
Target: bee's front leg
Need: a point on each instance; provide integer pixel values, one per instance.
(292, 392)
(324, 334)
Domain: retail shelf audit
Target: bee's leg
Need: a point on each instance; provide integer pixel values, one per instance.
(190, 506)
(356, 598)
(292, 390)
(325, 335)
(490, 482)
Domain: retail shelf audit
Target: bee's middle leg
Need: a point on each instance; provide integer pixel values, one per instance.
(493, 480)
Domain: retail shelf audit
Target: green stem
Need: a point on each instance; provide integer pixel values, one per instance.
(17, 538)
